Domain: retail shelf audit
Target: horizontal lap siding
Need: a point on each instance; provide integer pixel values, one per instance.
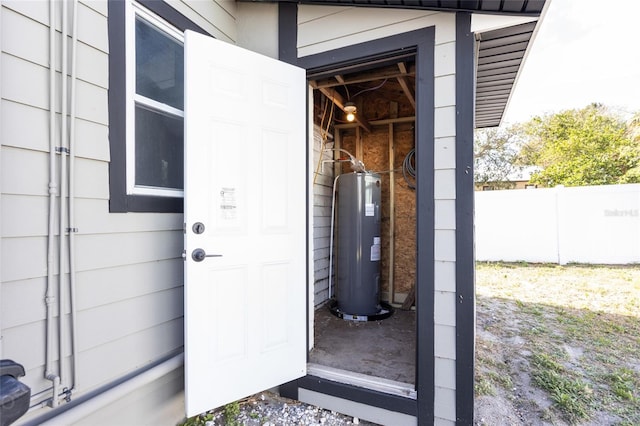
(129, 270)
(323, 28)
(322, 196)
(144, 404)
(217, 17)
(34, 136)
(140, 307)
(258, 27)
(95, 288)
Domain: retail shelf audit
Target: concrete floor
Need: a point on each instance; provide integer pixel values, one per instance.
(383, 348)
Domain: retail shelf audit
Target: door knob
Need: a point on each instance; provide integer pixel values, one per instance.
(199, 254)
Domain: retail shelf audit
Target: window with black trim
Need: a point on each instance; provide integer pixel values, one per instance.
(146, 106)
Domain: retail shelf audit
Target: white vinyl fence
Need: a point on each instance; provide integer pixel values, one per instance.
(589, 224)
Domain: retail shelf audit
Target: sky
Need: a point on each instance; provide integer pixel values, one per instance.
(585, 51)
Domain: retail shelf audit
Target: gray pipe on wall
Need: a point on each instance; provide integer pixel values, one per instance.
(72, 196)
(50, 293)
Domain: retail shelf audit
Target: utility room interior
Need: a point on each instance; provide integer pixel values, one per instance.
(364, 123)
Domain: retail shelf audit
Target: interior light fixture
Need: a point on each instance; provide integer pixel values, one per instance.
(350, 109)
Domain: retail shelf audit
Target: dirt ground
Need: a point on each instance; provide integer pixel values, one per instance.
(584, 322)
(515, 400)
(520, 402)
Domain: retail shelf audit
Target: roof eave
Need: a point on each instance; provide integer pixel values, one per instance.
(486, 118)
(512, 8)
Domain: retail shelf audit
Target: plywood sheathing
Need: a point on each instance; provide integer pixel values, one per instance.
(405, 215)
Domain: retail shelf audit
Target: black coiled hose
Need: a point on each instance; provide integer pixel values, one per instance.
(409, 168)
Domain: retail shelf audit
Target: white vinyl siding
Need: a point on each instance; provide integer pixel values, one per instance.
(445, 223)
(323, 28)
(144, 404)
(217, 17)
(258, 27)
(129, 270)
(322, 197)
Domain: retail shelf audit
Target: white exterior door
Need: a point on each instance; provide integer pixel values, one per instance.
(245, 198)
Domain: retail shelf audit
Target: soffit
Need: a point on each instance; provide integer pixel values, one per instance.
(501, 54)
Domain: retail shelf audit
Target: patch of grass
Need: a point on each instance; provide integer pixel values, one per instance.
(623, 383)
(571, 395)
(231, 412)
(503, 380)
(199, 420)
(483, 386)
(491, 373)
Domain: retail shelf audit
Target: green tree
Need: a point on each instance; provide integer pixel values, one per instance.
(588, 146)
(496, 155)
(631, 153)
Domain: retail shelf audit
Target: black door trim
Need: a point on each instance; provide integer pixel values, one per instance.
(419, 43)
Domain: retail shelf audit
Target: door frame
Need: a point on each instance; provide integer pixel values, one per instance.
(421, 43)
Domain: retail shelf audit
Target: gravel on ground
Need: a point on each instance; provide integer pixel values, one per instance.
(269, 409)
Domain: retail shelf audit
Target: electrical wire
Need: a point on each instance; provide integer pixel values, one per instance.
(371, 88)
(382, 172)
(346, 88)
(324, 134)
(409, 168)
(356, 165)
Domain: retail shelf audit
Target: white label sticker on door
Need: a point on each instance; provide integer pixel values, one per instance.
(369, 209)
(228, 206)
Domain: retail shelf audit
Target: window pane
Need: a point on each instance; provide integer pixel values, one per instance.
(159, 66)
(159, 149)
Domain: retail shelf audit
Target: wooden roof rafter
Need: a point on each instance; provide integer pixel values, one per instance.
(405, 85)
(339, 80)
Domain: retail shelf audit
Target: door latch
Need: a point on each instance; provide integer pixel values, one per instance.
(199, 254)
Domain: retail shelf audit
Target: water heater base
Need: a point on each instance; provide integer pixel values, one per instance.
(386, 310)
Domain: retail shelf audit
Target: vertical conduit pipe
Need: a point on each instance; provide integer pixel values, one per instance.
(50, 294)
(392, 216)
(333, 215)
(72, 158)
(63, 192)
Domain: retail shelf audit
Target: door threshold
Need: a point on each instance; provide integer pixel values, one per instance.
(405, 390)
